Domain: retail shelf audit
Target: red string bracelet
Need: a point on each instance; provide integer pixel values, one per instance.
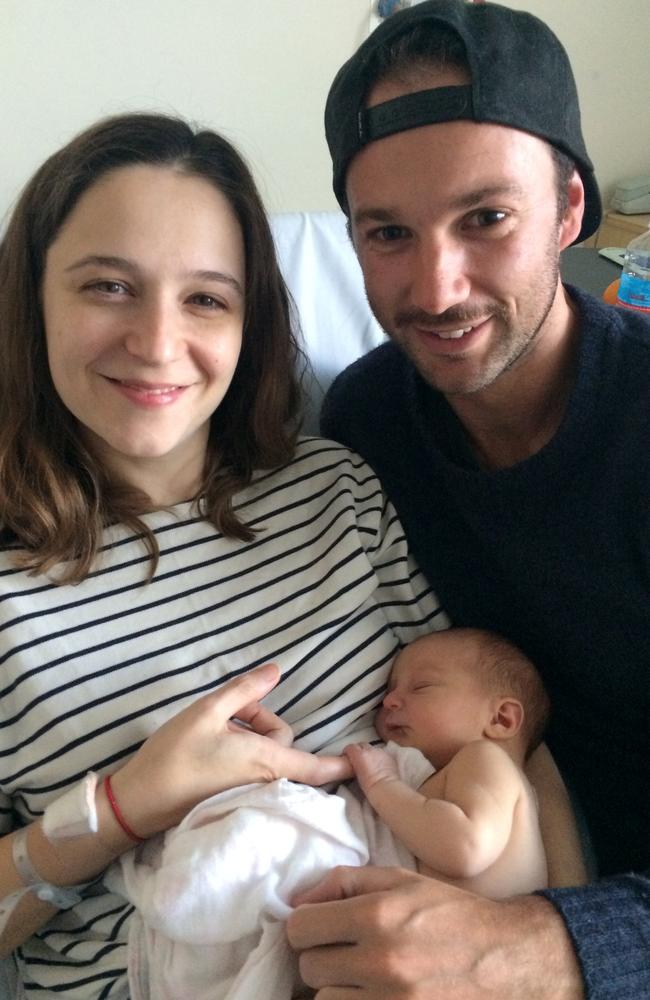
(117, 812)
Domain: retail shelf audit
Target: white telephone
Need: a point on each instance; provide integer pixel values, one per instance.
(632, 196)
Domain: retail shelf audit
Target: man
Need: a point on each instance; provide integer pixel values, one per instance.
(508, 419)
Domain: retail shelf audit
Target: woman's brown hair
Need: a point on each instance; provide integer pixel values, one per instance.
(55, 498)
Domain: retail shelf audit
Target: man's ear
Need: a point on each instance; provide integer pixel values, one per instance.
(571, 221)
(506, 719)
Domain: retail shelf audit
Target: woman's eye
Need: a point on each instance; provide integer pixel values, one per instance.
(109, 287)
(206, 301)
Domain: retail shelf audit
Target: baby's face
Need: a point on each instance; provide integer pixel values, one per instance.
(435, 701)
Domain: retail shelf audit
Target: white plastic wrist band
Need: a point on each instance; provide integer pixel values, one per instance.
(74, 813)
(71, 815)
(8, 905)
(63, 897)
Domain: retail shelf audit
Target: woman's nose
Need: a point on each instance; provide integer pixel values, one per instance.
(155, 334)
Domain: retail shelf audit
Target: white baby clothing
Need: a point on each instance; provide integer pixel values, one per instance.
(212, 894)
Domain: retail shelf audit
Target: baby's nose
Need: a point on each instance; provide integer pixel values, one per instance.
(391, 699)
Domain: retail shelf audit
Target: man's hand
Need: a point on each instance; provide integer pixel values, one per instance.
(379, 933)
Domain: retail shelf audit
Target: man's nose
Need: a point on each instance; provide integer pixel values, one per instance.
(439, 279)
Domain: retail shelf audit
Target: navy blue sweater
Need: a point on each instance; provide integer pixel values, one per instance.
(555, 554)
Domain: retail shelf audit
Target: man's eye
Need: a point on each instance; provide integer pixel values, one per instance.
(488, 217)
(389, 234)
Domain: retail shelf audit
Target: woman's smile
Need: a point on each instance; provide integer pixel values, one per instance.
(143, 301)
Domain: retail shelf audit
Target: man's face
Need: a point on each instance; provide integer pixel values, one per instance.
(456, 229)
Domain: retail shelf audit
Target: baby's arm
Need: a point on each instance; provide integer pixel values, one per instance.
(460, 820)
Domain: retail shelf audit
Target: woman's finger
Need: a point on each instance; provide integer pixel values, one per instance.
(263, 721)
(310, 769)
(235, 694)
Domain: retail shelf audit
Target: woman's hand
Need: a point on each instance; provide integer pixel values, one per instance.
(224, 739)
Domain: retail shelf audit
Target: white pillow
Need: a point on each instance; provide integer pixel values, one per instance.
(324, 278)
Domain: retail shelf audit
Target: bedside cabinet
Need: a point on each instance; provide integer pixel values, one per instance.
(617, 229)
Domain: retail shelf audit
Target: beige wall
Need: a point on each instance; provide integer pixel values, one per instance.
(259, 70)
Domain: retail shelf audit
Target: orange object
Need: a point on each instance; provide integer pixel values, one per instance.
(611, 292)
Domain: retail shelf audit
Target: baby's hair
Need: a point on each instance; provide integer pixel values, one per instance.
(508, 671)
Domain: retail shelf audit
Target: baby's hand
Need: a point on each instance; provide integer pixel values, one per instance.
(371, 764)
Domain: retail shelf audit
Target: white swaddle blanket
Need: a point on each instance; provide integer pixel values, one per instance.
(212, 894)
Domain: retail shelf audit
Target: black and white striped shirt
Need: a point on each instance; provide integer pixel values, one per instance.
(326, 589)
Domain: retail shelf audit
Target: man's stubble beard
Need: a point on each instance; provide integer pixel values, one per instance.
(507, 354)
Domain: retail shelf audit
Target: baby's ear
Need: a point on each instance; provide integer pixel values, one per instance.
(506, 719)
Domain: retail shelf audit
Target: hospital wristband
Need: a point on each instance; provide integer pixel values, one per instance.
(63, 897)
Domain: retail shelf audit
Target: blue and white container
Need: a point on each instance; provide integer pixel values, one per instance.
(634, 290)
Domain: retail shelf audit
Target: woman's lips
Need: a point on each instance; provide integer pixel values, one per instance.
(149, 394)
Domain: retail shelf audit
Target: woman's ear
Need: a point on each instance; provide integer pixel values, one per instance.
(506, 719)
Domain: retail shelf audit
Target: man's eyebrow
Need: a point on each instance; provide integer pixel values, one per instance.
(473, 198)
(124, 264)
(470, 199)
(374, 215)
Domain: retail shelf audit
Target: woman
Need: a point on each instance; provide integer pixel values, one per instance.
(164, 532)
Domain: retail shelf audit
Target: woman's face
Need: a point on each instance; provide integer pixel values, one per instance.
(143, 303)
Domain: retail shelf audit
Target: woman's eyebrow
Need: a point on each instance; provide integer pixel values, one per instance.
(219, 276)
(124, 264)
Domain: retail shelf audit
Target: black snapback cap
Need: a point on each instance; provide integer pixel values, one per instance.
(520, 77)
